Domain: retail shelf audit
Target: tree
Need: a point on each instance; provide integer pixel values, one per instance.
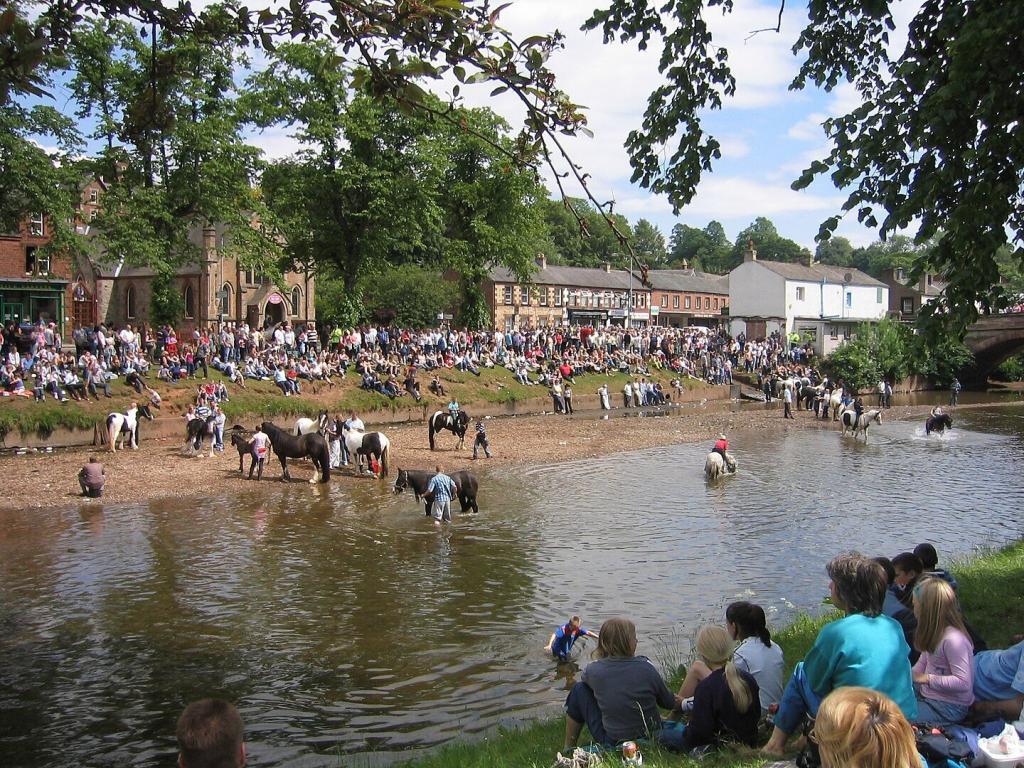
(580, 235)
(164, 109)
(770, 245)
(837, 251)
(410, 296)
(933, 147)
(649, 244)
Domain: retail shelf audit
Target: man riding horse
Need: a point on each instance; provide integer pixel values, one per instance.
(722, 449)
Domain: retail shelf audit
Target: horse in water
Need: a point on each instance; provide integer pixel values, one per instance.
(122, 426)
(860, 426)
(938, 423)
(369, 444)
(288, 446)
(443, 420)
(466, 487)
(306, 426)
(715, 466)
(196, 431)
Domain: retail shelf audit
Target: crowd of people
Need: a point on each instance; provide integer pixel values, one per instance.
(387, 360)
(902, 655)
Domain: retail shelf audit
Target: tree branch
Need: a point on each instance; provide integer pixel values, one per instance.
(777, 28)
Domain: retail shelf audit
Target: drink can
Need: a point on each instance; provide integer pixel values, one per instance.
(631, 754)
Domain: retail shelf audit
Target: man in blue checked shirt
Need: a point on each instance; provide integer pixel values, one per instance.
(441, 490)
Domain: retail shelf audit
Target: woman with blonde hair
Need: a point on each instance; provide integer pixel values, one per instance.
(861, 728)
(619, 692)
(725, 702)
(944, 673)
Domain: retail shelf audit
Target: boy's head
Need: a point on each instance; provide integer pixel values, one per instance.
(929, 557)
(907, 567)
(575, 622)
(887, 566)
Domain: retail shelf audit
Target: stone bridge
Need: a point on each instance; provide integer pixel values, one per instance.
(993, 339)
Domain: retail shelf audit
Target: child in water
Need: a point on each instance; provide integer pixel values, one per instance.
(562, 639)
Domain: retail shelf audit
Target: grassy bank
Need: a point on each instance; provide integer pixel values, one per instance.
(992, 599)
(262, 398)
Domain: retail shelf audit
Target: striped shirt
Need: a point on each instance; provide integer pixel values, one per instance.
(480, 429)
(442, 486)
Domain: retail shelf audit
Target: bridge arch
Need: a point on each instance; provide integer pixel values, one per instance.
(993, 339)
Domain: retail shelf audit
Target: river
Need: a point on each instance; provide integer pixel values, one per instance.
(344, 623)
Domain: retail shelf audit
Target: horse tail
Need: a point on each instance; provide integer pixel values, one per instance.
(430, 432)
(385, 453)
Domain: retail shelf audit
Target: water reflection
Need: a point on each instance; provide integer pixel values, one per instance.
(343, 621)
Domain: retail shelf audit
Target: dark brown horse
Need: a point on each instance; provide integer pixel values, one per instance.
(288, 446)
(466, 486)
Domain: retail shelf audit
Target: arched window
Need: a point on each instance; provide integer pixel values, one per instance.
(129, 302)
(296, 301)
(190, 302)
(225, 300)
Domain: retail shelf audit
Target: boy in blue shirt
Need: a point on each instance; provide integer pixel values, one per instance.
(562, 639)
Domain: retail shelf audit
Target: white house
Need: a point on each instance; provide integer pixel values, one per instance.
(822, 304)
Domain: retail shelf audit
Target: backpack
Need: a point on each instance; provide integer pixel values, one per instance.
(940, 751)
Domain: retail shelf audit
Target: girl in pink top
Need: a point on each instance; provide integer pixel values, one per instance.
(944, 675)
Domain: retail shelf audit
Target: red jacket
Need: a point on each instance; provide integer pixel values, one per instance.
(723, 444)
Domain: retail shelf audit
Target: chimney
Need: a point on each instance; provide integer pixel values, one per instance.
(607, 267)
(810, 260)
(542, 261)
(686, 264)
(751, 254)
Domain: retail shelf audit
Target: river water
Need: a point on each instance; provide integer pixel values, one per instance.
(345, 624)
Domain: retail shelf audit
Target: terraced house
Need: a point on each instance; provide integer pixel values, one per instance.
(558, 295)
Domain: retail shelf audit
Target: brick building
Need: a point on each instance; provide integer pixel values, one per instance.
(682, 297)
(77, 290)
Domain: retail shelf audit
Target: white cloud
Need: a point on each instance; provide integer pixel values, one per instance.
(275, 143)
(736, 197)
(808, 128)
(733, 147)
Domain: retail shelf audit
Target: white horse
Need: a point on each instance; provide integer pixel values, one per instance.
(862, 424)
(835, 402)
(122, 426)
(306, 426)
(715, 466)
(375, 444)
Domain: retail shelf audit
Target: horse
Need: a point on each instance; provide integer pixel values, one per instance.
(126, 425)
(861, 425)
(196, 431)
(466, 487)
(443, 420)
(242, 440)
(306, 426)
(288, 446)
(835, 402)
(715, 466)
(938, 424)
(375, 444)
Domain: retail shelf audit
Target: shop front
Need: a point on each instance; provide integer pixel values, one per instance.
(29, 301)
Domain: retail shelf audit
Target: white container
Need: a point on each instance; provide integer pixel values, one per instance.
(999, 760)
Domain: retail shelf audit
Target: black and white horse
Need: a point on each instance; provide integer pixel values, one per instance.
(457, 425)
(417, 480)
(122, 426)
(859, 426)
(938, 423)
(196, 432)
(375, 444)
(305, 426)
(288, 446)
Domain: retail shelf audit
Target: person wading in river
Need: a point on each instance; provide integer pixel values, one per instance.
(441, 491)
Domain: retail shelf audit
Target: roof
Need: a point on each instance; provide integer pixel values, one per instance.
(689, 280)
(819, 272)
(585, 277)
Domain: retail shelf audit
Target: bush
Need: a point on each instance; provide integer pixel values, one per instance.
(1010, 370)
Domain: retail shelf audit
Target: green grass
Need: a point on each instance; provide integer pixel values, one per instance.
(991, 596)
